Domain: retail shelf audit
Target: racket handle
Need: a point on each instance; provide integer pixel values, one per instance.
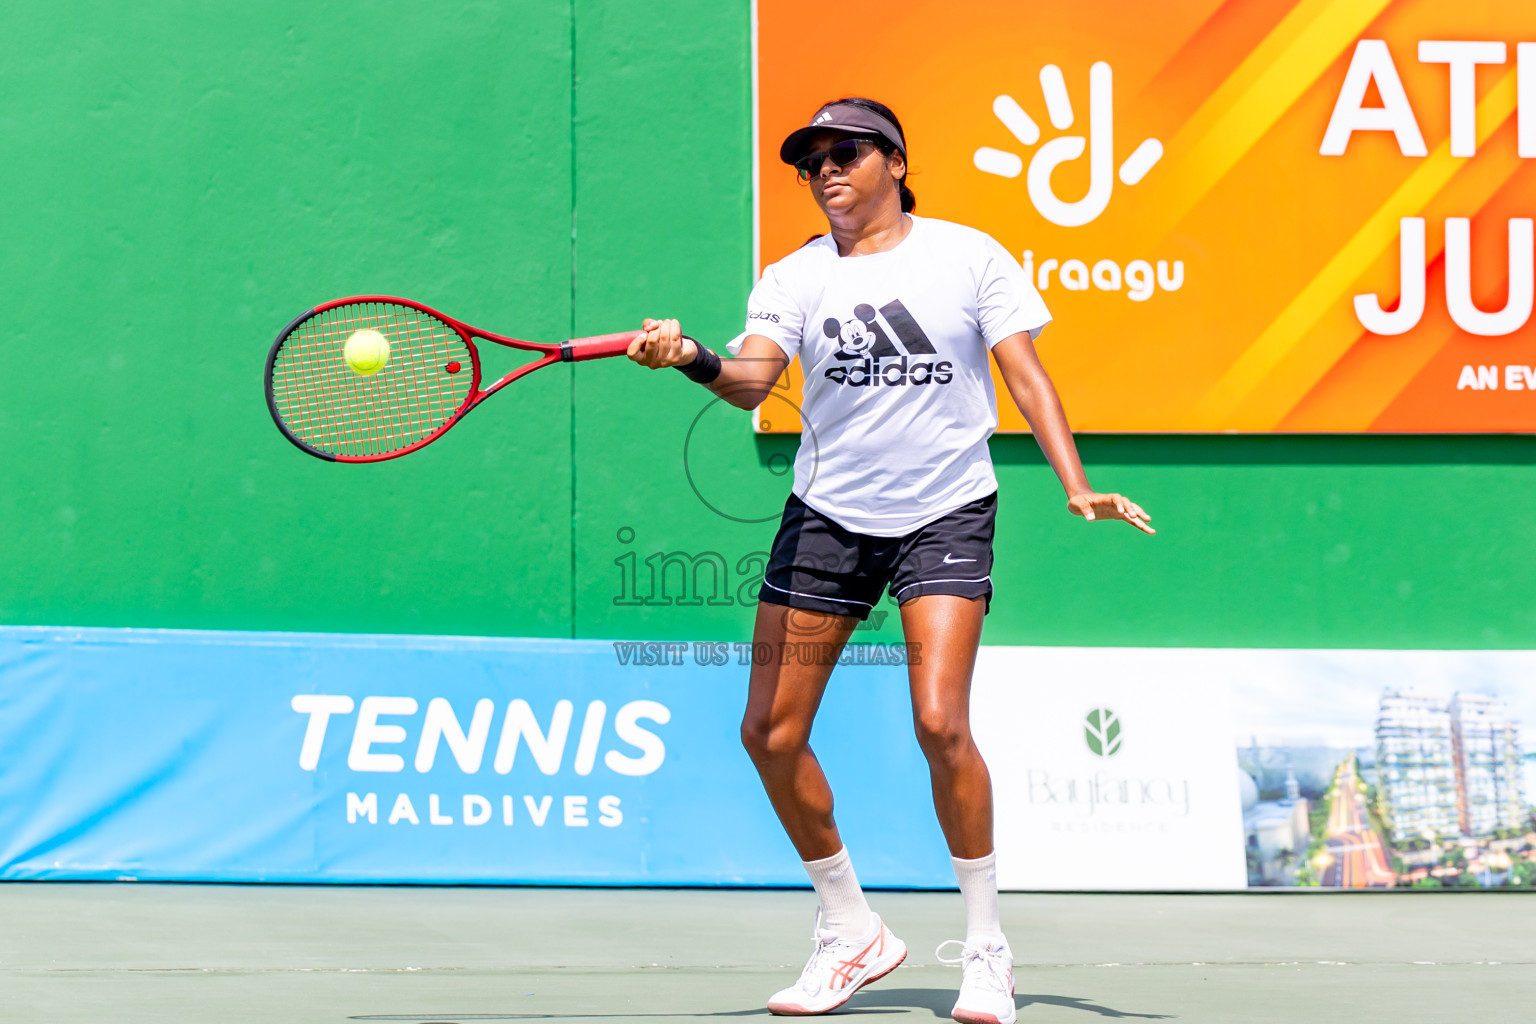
(600, 347)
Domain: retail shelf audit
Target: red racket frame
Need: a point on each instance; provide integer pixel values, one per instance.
(576, 350)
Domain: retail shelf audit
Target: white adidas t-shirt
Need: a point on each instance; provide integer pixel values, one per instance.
(898, 388)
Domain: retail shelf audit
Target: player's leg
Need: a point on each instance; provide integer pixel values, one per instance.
(783, 696)
(943, 582)
(815, 590)
(943, 632)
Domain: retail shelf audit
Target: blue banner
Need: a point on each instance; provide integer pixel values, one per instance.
(162, 754)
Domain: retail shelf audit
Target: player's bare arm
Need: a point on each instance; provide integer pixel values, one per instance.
(1036, 398)
(743, 381)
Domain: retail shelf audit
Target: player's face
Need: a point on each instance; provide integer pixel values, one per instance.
(868, 177)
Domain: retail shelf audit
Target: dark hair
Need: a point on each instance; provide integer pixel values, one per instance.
(908, 200)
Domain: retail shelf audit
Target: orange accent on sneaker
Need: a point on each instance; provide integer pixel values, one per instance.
(845, 969)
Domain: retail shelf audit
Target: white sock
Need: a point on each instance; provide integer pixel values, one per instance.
(844, 911)
(978, 887)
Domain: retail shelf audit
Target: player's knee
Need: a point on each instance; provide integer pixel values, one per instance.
(942, 735)
(766, 739)
(754, 737)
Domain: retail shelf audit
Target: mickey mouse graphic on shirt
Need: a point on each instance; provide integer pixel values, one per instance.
(862, 338)
(856, 336)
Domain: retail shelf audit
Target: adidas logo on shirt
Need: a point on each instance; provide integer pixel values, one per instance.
(863, 340)
(874, 377)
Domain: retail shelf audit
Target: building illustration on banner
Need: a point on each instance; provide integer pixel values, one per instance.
(1434, 798)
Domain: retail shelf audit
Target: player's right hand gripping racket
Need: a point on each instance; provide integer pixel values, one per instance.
(430, 376)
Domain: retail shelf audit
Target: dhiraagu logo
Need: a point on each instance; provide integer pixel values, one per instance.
(1099, 143)
(1137, 278)
(1102, 731)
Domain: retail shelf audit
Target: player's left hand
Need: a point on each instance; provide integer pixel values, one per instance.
(661, 343)
(1091, 505)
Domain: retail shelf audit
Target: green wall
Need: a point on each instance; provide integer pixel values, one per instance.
(179, 183)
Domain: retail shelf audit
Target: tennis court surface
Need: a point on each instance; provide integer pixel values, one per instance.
(311, 954)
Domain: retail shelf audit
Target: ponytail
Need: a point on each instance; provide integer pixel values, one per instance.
(908, 200)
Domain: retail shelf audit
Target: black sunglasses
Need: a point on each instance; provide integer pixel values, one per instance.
(842, 153)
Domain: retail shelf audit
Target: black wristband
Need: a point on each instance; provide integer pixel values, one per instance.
(705, 366)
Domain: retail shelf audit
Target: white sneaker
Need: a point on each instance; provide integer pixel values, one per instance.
(838, 968)
(986, 990)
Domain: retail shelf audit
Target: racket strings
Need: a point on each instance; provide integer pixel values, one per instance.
(332, 408)
(356, 420)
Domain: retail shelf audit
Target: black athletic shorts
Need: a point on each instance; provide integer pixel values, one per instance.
(818, 565)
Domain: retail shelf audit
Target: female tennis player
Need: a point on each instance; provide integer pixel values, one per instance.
(892, 316)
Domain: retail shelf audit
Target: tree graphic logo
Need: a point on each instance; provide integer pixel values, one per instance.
(1099, 144)
(1102, 731)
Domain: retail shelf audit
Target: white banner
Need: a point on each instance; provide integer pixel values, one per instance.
(1165, 768)
(1113, 768)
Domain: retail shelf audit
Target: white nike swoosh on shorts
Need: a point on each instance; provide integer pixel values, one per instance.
(955, 561)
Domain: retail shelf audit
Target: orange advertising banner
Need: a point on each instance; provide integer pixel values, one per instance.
(1257, 215)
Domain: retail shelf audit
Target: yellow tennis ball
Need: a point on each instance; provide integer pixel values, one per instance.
(367, 351)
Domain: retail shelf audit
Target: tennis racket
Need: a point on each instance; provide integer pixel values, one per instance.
(430, 379)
